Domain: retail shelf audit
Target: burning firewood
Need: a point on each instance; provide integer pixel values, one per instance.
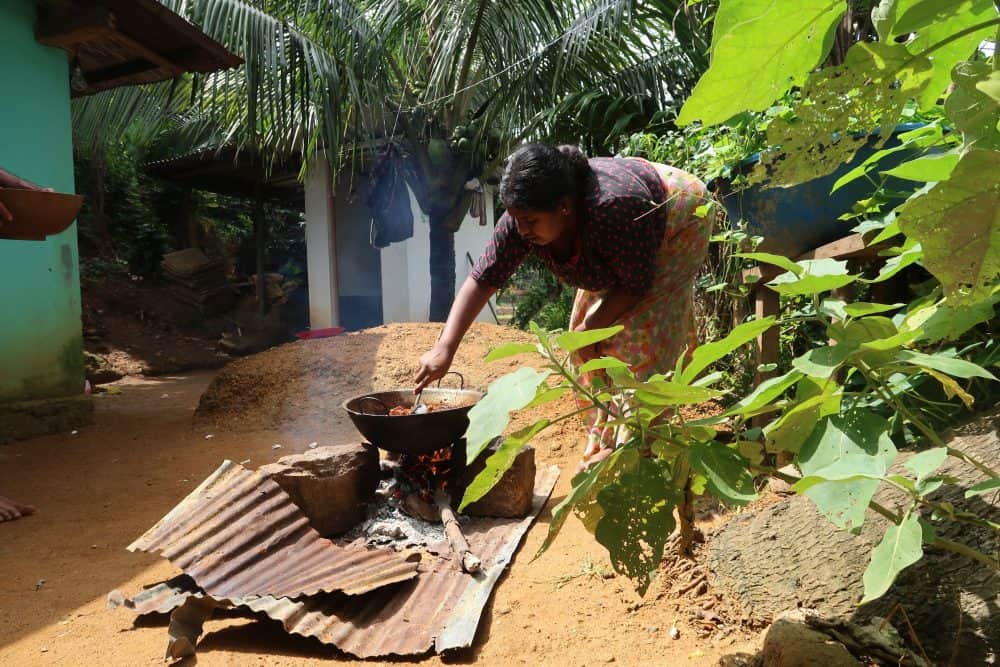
(417, 507)
(470, 562)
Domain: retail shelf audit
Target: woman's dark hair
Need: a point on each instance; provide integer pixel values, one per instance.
(538, 176)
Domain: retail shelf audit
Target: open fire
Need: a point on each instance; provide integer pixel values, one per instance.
(414, 505)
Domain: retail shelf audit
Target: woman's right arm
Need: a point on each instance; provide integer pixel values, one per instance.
(469, 301)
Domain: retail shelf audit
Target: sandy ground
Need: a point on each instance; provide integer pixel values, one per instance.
(98, 489)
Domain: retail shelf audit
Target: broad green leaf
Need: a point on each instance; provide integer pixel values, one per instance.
(833, 308)
(973, 111)
(500, 462)
(751, 451)
(866, 167)
(547, 395)
(913, 252)
(766, 392)
(955, 367)
(864, 330)
(921, 137)
(990, 85)
(673, 393)
(927, 168)
(638, 518)
(839, 108)
(883, 18)
(887, 344)
(901, 547)
(863, 309)
(489, 417)
(858, 439)
(952, 388)
(925, 463)
(871, 337)
(509, 350)
(822, 362)
(759, 49)
(571, 341)
(817, 276)
(770, 258)
(788, 432)
(957, 16)
(983, 487)
(709, 353)
(942, 321)
(928, 486)
(814, 401)
(922, 14)
(890, 230)
(602, 363)
(958, 224)
(709, 380)
(727, 472)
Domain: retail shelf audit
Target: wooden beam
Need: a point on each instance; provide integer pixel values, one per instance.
(852, 246)
(65, 30)
(152, 56)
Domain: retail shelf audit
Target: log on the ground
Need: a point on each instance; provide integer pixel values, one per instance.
(788, 555)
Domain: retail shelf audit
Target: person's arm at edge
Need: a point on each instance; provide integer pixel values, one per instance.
(9, 180)
(469, 301)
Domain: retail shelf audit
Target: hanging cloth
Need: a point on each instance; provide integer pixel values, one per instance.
(392, 216)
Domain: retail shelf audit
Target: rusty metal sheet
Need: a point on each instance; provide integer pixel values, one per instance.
(161, 598)
(438, 610)
(239, 534)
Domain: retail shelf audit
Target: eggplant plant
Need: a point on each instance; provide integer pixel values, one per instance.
(836, 407)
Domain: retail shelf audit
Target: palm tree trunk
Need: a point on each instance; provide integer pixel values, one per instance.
(442, 269)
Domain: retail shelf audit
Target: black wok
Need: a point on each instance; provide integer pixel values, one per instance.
(413, 434)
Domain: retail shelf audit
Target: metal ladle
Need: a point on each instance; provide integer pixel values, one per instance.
(418, 407)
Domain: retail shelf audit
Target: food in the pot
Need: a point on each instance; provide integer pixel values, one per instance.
(401, 410)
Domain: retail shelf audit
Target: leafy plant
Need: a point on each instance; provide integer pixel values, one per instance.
(836, 406)
(831, 427)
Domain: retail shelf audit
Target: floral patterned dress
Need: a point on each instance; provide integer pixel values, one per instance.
(641, 234)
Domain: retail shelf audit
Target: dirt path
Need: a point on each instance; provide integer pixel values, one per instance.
(99, 489)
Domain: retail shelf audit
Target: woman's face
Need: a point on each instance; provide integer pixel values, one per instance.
(542, 227)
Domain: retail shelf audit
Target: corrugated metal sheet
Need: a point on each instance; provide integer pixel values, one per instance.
(162, 598)
(439, 610)
(239, 534)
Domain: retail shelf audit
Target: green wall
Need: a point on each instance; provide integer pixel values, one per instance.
(40, 337)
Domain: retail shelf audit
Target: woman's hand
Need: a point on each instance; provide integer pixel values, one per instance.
(433, 365)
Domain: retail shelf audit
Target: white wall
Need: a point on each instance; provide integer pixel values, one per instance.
(321, 246)
(406, 272)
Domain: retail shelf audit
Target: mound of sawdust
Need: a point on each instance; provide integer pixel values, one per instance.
(299, 387)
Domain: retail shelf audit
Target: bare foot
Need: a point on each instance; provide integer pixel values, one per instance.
(11, 509)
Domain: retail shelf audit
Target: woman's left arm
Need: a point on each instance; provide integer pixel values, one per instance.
(613, 305)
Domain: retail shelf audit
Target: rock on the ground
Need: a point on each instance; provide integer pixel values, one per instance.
(790, 642)
(513, 494)
(788, 555)
(331, 485)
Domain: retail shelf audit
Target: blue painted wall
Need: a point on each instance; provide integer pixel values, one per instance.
(40, 337)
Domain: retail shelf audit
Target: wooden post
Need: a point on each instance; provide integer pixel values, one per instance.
(766, 304)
